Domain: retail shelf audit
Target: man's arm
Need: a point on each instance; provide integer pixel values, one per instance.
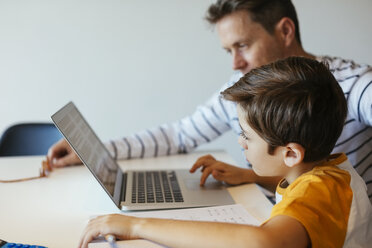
(208, 122)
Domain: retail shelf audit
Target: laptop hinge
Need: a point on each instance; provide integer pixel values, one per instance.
(123, 189)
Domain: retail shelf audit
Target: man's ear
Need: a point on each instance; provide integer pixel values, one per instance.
(293, 154)
(286, 31)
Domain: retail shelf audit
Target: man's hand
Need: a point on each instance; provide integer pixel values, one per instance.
(61, 154)
(220, 171)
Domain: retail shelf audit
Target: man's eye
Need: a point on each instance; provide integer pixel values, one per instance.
(242, 45)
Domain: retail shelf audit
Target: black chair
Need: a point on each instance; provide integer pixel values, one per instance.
(28, 139)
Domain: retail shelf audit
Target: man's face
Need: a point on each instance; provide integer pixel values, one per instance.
(256, 151)
(249, 44)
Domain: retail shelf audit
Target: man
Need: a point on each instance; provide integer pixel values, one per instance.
(254, 32)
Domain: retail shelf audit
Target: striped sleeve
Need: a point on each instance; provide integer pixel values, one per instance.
(208, 122)
(361, 95)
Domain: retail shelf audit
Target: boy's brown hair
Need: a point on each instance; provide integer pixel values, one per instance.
(265, 12)
(296, 100)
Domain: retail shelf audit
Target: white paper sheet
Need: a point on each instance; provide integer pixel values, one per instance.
(230, 213)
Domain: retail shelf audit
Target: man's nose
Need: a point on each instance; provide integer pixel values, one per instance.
(239, 63)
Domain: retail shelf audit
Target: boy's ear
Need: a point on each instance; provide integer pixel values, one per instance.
(293, 154)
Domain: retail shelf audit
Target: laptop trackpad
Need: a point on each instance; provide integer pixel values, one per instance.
(194, 184)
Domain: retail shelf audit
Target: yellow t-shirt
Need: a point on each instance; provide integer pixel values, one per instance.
(323, 201)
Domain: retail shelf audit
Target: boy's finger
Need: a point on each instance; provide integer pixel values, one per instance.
(205, 160)
(200, 162)
(217, 175)
(207, 171)
(89, 237)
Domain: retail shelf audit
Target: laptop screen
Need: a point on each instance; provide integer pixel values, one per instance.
(87, 145)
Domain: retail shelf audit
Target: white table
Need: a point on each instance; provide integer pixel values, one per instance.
(53, 211)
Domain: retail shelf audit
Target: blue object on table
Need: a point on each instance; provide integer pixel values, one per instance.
(4, 244)
(111, 239)
(28, 139)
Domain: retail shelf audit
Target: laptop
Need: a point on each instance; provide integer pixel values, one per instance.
(136, 190)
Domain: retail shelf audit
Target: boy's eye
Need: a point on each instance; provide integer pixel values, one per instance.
(243, 135)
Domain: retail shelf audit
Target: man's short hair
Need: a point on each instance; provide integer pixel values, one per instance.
(296, 100)
(265, 12)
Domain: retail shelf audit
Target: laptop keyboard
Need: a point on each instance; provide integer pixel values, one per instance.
(155, 187)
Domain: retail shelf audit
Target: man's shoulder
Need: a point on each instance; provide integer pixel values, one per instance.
(232, 80)
(338, 62)
(342, 67)
(235, 77)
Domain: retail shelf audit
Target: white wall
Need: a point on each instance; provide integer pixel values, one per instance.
(131, 64)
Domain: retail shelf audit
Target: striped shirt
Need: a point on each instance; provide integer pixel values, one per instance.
(217, 116)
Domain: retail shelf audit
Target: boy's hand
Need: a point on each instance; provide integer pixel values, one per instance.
(121, 226)
(219, 170)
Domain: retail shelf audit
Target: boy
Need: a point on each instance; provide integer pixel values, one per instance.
(291, 113)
